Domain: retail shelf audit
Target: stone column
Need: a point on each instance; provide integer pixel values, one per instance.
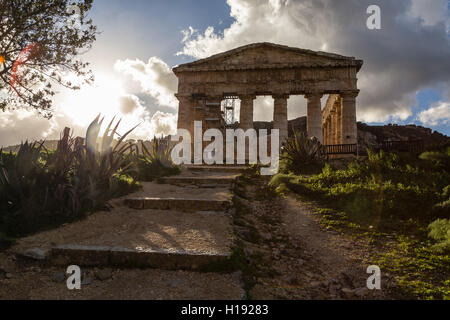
(330, 130)
(349, 130)
(280, 120)
(185, 112)
(339, 139)
(246, 111)
(314, 116)
(332, 137)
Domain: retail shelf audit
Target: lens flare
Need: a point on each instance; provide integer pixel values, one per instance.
(25, 55)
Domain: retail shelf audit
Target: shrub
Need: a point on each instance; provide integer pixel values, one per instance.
(301, 154)
(442, 209)
(441, 158)
(96, 163)
(40, 189)
(439, 230)
(380, 188)
(155, 162)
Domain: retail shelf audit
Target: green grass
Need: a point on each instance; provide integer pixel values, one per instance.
(419, 271)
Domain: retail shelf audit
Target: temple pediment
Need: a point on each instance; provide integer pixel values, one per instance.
(267, 56)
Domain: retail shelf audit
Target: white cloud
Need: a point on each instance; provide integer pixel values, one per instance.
(437, 114)
(129, 103)
(164, 123)
(155, 78)
(20, 125)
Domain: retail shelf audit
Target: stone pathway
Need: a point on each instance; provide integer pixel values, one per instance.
(177, 227)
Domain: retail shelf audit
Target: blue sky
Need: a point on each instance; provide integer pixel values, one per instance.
(142, 28)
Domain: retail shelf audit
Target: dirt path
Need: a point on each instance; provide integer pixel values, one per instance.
(295, 257)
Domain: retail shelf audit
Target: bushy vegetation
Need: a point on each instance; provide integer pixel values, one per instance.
(383, 188)
(439, 230)
(301, 154)
(401, 198)
(41, 188)
(155, 161)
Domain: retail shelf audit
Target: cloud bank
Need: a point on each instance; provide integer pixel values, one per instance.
(437, 114)
(155, 78)
(408, 54)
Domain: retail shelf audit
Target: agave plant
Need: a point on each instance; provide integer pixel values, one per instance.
(301, 152)
(39, 187)
(100, 159)
(155, 161)
(18, 173)
(158, 152)
(23, 185)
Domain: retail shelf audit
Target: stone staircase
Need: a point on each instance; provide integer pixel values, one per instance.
(180, 223)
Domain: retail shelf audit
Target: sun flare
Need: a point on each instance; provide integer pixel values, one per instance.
(103, 96)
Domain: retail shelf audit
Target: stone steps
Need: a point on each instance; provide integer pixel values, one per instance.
(164, 226)
(178, 204)
(201, 181)
(130, 238)
(104, 256)
(216, 168)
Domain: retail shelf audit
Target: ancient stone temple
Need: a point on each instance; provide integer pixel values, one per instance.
(266, 69)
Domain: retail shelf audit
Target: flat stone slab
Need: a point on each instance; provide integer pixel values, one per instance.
(216, 168)
(179, 204)
(155, 238)
(169, 191)
(203, 180)
(167, 259)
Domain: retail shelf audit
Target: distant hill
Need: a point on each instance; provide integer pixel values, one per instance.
(375, 135)
(49, 144)
(393, 132)
(370, 135)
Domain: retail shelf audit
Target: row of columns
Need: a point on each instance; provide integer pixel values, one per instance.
(340, 128)
(280, 120)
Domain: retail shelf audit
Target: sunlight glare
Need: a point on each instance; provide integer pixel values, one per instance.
(83, 105)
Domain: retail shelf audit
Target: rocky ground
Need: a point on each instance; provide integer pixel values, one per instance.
(21, 280)
(291, 256)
